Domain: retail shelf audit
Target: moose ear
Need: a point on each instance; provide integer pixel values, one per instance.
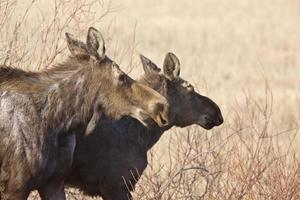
(95, 43)
(149, 66)
(76, 47)
(171, 66)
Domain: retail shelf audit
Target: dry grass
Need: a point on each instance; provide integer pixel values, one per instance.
(243, 54)
(245, 159)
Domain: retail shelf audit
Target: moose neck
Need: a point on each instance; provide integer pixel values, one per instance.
(155, 132)
(69, 102)
(137, 133)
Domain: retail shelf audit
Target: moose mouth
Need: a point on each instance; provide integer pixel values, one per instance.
(209, 122)
(146, 119)
(161, 121)
(207, 125)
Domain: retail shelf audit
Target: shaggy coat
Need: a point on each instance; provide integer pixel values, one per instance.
(39, 108)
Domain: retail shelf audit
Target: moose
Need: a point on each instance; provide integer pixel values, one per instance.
(40, 112)
(109, 162)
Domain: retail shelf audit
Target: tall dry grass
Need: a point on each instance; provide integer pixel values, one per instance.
(243, 54)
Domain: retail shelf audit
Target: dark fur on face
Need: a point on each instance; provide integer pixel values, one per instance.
(188, 106)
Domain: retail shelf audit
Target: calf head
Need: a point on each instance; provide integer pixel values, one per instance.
(188, 106)
(109, 88)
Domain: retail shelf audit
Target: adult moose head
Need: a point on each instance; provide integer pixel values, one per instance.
(119, 94)
(110, 161)
(188, 106)
(37, 108)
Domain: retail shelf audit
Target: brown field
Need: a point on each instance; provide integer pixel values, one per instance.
(243, 54)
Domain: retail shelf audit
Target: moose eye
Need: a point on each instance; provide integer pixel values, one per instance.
(188, 86)
(185, 84)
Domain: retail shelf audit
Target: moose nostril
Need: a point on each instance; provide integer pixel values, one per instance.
(207, 118)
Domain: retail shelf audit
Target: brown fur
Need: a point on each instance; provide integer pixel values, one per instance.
(117, 150)
(37, 108)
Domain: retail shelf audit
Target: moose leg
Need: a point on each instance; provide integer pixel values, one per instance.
(53, 190)
(13, 195)
(12, 190)
(14, 179)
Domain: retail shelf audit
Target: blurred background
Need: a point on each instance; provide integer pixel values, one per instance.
(226, 48)
(243, 54)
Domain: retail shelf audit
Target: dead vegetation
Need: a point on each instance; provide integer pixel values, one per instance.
(245, 159)
(34, 29)
(254, 155)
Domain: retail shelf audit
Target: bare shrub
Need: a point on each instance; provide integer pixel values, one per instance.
(32, 32)
(244, 159)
